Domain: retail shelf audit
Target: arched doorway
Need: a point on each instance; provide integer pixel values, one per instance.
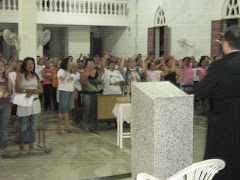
(230, 16)
(158, 34)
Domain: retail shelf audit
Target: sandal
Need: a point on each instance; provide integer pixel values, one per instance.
(85, 128)
(93, 131)
(32, 151)
(22, 151)
(4, 153)
(68, 130)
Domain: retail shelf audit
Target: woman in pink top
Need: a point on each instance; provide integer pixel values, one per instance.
(153, 74)
(202, 67)
(202, 71)
(187, 77)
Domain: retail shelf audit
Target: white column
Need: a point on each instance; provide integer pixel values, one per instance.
(27, 29)
(78, 41)
(39, 47)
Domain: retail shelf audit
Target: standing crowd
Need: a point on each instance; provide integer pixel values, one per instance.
(22, 85)
(63, 84)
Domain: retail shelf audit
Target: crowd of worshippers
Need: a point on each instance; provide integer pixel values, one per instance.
(66, 83)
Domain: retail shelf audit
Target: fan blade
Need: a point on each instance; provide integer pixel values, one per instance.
(17, 44)
(7, 36)
(45, 37)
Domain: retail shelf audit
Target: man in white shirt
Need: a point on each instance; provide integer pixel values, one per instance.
(113, 79)
(39, 68)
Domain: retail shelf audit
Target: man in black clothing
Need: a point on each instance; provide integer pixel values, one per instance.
(221, 86)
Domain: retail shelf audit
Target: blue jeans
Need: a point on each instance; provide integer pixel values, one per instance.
(5, 112)
(24, 121)
(89, 108)
(65, 101)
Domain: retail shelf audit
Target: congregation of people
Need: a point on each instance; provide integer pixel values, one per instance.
(64, 84)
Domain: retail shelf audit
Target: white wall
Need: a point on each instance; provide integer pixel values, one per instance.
(78, 41)
(115, 39)
(186, 19)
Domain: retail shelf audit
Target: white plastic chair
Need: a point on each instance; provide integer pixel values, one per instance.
(204, 170)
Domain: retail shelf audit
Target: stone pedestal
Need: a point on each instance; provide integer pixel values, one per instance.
(161, 128)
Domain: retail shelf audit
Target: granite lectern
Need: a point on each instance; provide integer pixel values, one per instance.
(161, 129)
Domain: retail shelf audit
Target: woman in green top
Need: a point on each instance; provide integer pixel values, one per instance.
(90, 80)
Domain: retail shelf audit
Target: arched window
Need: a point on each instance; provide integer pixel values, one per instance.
(160, 19)
(231, 9)
(158, 35)
(230, 16)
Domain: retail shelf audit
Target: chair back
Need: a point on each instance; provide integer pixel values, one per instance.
(204, 170)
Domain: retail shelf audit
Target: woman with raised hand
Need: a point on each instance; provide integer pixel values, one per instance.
(113, 79)
(187, 77)
(28, 82)
(154, 74)
(90, 80)
(132, 73)
(66, 93)
(171, 70)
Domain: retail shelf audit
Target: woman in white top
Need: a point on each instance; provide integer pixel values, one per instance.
(66, 93)
(28, 82)
(13, 76)
(112, 78)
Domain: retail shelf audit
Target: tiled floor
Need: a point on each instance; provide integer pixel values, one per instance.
(82, 155)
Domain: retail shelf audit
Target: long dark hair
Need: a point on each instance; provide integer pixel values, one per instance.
(64, 63)
(24, 70)
(4, 74)
(150, 63)
(201, 60)
(87, 60)
(186, 58)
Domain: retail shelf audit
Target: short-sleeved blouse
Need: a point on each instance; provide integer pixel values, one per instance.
(36, 107)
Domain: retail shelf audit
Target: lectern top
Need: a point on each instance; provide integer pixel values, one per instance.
(158, 89)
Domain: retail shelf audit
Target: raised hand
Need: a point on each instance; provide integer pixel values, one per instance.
(219, 42)
(124, 57)
(107, 55)
(144, 58)
(5, 95)
(180, 62)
